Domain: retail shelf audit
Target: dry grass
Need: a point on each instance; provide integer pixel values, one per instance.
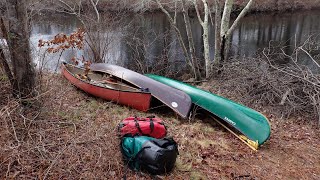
(74, 137)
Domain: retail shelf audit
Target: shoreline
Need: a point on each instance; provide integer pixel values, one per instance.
(72, 124)
(137, 7)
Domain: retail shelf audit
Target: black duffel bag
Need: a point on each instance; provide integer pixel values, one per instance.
(158, 156)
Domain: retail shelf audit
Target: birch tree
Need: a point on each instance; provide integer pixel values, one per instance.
(225, 29)
(205, 26)
(189, 55)
(190, 40)
(217, 35)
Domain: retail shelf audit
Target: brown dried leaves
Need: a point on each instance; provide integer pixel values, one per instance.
(61, 41)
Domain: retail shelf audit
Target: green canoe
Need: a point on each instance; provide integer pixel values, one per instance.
(253, 126)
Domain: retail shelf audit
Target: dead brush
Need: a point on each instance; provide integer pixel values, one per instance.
(54, 144)
(292, 89)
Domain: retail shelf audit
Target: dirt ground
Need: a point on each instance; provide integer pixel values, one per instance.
(73, 136)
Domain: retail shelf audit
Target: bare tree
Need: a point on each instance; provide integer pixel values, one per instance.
(205, 36)
(221, 52)
(217, 35)
(189, 55)
(97, 39)
(22, 75)
(190, 40)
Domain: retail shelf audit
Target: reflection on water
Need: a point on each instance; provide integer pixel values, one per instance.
(149, 40)
(46, 30)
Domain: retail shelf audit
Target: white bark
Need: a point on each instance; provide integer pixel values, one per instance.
(225, 31)
(206, 39)
(225, 20)
(205, 26)
(217, 36)
(240, 16)
(195, 67)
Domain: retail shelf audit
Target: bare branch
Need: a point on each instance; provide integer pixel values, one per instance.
(94, 5)
(197, 10)
(310, 56)
(165, 11)
(240, 16)
(186, 54)
(288, 73)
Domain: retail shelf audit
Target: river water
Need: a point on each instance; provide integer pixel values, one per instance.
(147, 40)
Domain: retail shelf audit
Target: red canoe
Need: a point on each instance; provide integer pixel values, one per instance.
(99, 85)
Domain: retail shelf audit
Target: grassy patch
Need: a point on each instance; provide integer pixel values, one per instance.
(195, 175)
(3, 77)
(183, 166)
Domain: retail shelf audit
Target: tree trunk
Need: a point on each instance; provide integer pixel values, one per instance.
(217, 36)
(3, 59)
(225, 31)
(195, 67)
(225, 21)
(18, 42)
(205, 36)
(6, 67)
(205, 26)
(226, 17)
(177, 31)
(226, 48)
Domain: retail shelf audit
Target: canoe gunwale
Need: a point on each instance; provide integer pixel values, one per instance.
(123, 73)
(246, 122)
(139, 100)
(110, 88)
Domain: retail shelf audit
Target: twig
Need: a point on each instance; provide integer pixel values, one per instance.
(8, 169)
(13, 128)
(54, 161)
(200, 81)
(310, 56)
(284, 97)
(55, 70)
(288, 72)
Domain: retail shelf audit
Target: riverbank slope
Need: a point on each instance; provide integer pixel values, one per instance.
(73, 135)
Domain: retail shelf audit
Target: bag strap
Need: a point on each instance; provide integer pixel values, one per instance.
(137, 124)
(151, 125)
(164, 142)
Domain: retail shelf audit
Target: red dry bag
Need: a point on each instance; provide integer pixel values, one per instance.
(149, 126)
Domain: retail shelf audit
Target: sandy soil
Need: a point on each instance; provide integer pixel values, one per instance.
(73, 136)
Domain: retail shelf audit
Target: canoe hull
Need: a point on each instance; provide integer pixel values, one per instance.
(249, 122)
(175, 99)
(136, 100)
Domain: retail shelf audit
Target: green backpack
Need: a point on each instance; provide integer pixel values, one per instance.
(157, 156)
